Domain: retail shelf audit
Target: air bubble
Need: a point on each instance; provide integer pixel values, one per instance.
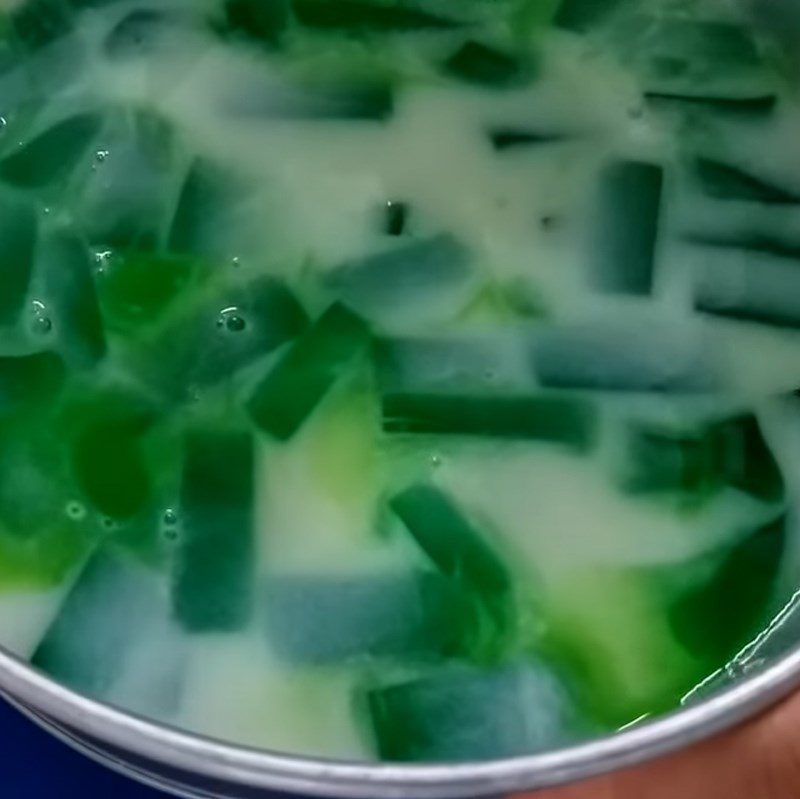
(40, 322)
(76, 510)
(436, 460)
(230, 319)
(170, 517)
(109, 523)
(235, 261)
(3, 124)
(101, 155)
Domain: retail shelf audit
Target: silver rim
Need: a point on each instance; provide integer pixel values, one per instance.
(259, 769)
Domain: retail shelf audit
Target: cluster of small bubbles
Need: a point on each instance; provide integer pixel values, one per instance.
(230, 320)
(170, 529)
(102, 258)
(101, 155)
(76, 510)
(40, 324)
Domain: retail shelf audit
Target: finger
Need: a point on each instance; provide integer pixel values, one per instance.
(758, 761)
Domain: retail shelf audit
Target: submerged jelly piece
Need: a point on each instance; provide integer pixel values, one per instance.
(34, 484)
(71, 299)
(136, 288)
(53, 154)
(621, 358)
(581, 16)
(432, 278)
(475, 62)
(457, 548)
(628, 209)
(40, 22)
(564, 420)
(462, 713)
(367, 15)
(18, 234)
(328, 619)
(734, 104)
(298, 382)
(699, 459)
(202, 225)
(221, 331)
(696, 50)
(262, 21)
(762, 291)
(725, 182)
(724, 614)
(125, 201)
(107, 615)
(27, 381)
(212, 587)
(106, 455)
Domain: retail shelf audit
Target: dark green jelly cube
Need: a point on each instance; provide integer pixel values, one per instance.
(212, 587)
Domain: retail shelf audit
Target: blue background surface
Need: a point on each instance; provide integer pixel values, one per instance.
(34, 765)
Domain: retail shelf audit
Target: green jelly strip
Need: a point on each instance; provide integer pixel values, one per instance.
(581, 16)
(72, 300)
(205, 200)
(262, 21)
(457, 548)
(368, 16)
(725, 182)
(717, 619)
(293, 388)
(698, 50)
(563, 420)
(212, 587)
(753, 105)
(754, 242)
(328, 619)
(503, 139)
(106, 455)
(102, 621)
(52, 155)
(479, 63)
(629, 205)
(697, 461)
(18, 228)
(468, 714)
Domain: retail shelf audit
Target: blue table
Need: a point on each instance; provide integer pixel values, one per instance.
(34, 765)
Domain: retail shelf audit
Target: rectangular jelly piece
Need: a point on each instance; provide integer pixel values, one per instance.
(107, 615)
(70, 296)
(212, 588)
(462, 552)
(297, 383)
(716, 619)
(626, 227)
(18, 231)
(331, 618)
(463, 713)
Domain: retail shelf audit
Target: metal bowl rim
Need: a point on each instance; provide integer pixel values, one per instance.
(255, 768)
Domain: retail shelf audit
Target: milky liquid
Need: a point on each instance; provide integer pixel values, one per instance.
(612, 560)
